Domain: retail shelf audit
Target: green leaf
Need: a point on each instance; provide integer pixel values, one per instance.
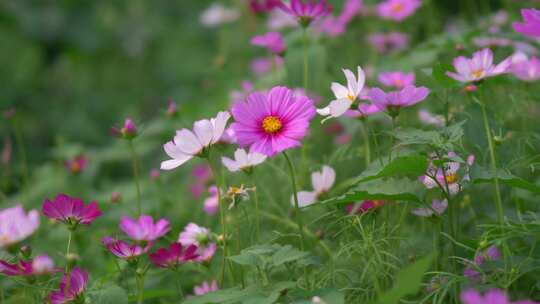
(287, 254)
(482, 175)
(409, 136)
(415, 165)
(250, 295)
(110, 295)
(268, 255)
(383, 189)
(408, 281)
(439, 74)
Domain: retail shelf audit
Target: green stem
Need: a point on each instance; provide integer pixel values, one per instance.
(498, 200)
(178, 284)
(257, 215)
(136, 175)
(140, 288)
(306, 61)
(215, 172)
(392, 138)
(367, 149)
(70, 235)
(297, 212)
(22, 150)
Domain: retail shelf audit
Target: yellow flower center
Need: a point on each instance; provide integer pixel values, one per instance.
(398, 83)
(4, 238)
(271, 124)
(350, 97)
(397, 7)
(451, 178)
(478, 73)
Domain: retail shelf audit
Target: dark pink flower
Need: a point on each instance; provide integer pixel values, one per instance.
(398, 80)
(392, 102)
(78, 279)
(127, 131)
(493, 296)
(123, 250)
(263, 6)
(306, 12)
(531, 23)
(361, 207)
(172, 109)
(174, 255)
(40, 265)
(273, 41)
(144, 228)
(397, 10)
(274, 122)
(76, 164)
(72, 211)
(202, 238)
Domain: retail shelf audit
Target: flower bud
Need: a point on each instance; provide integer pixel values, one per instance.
(26, 252)
(172, 109)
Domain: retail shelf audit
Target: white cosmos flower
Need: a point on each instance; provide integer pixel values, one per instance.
(187, 144)
(345, 96)
(243, 160)
(217, 14)
(437, 207)
(321, 181)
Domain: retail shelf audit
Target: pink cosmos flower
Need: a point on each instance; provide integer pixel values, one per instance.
(154, 174)
(365, 206)
(493, 296)
(278, 19)
(123, 250)
(240, 95)
(335, 25)
(201, 237)
(77, 164)
(172, 109)
(78, 279)
(16, 225)
(390, 42)
(321, 181)
(174, 255)
(211, 203)
(478, 67)
(71, 211)
(524, 68)
(451, 168)
(531, 25)
(262, 66)
(273, 41)
(492, 253)
(144, 228)
(41, 265)
(243, 160)
(263, 6)
(205, 288)
(274, 122)
(397, 10)
(394, 101)
(127, 131)
(430, 119)
(398, 80)
(306, 12)
(202, 174)
(188, 144)
(364, 109)
(437, 207)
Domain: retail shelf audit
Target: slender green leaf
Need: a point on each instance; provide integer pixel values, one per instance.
(482, 175)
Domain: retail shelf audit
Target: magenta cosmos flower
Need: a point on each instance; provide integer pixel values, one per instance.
(273, 41)
(306, 12)
(127, 131)
(493, 296)
(71, 211)
(123, 250)
(398, 80)
(144, 229)
(365, 206)
(392, 102)
(397, 10)
(174, 255)
(531, 23)
(72, 292)
(263, 6)
(40, 265)
(478, 67)
(205, 288)
(16, 225)
(274, 122)
(524, 68)
(492, 253)
(201, 237)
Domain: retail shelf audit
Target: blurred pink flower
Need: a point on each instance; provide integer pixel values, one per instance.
(78, 279)
(274, 122)
(71, 211)
(172, 109)
(243, 160)
(144, 228)
(127, 131)
(478, 67)
(437, 207)
(390, 42)
(154, 174)
(201, 174)
(306, 12)
(201, 237)
(262, 66)
(435, 176)
(524, 68)
(241, 95)
(531, 23)
(77, 164)
(188, 144)
(335, 25)
(217, 14)
(430, 119)
(278, 19)
(263, 6)
(173, 256)
(398, 80)
(123, 250)
(40, 265)
(397, 10)
(16, 225)
(321, 181)
(273, 41)
(392, 102)
(365, 206)
(205, 288)
(211, 203)
(343, 139)
(492, 296)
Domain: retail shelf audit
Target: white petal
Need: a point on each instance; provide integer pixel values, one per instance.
(324, 111)
(241, 157)
(187, 142)
(230, 164)
(323, 180)
(339, 90)
(361, 80)
(338, 107)
(425, 212)
(352, 85)
(305, 198)
(204, 131)
(256, 158)
(173, 163)
(219, 124)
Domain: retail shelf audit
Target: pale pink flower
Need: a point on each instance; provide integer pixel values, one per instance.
(273, 41)
(388, 42)
(428, 118)
(397, 10)
(398, 80)
(524, 68)
(243, 160)
(16, 225)
(531, 23)
(437, 208)
(201, 237)
(322, 181)
(453, 178)
(392, 102)
(262, 66)
(144, 228)
(205, 288)
(478, 67)
(211, 203)
(217, 14)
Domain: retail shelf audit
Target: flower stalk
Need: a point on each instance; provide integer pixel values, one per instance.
(297, 212)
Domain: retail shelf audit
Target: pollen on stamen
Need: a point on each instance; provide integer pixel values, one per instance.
(271, 124)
